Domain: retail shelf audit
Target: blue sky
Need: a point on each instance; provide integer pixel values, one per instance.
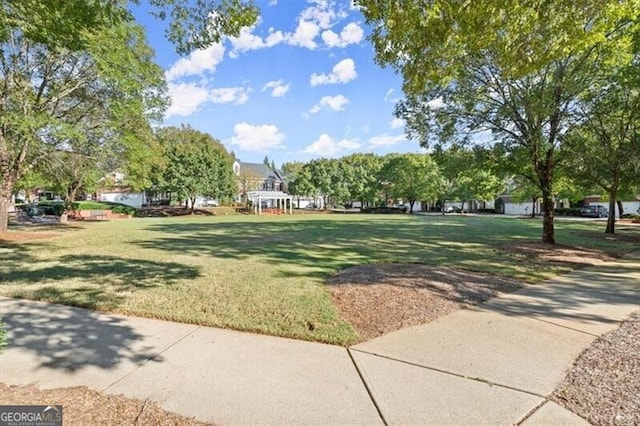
(300, 84)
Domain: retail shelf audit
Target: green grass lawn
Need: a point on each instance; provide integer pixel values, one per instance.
(263, 274)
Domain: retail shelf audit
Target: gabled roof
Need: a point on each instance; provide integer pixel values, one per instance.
(259, 171)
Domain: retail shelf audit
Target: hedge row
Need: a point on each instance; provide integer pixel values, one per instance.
(56, 208)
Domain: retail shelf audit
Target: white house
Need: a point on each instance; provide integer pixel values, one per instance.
(133, 199)
(116, 191)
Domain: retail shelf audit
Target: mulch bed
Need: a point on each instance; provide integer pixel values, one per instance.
(380, 298)
(83, 406)
(604, 384)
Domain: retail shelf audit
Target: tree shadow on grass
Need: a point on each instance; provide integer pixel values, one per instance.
(320, 245)
(90, 281)
(68, 338)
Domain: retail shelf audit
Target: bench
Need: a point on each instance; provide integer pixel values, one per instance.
(97, 215)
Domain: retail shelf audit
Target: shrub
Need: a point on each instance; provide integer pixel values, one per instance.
(91, 205)
(122, 209)
(52, 207)
(386, 210)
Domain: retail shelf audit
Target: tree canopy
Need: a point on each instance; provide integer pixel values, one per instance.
(197, 165)
(78, 76)
(412, 177)
(90, 102)
(68, 24)
(513, 69)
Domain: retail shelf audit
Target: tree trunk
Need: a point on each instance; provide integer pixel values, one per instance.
(4, 214)
(611, 220)
(6, 190)
(411, 203)
(533, 206)
(620, 208)
(462, 206)
(548, 204)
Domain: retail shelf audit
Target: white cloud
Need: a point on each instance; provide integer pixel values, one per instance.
(278, 88)
(273, 2)
(335, 103)
(247, 40)
(330, 38)
(227, 95)
(274, 37)
(257, 138)
(186, 98)
(198, 62)
(386, 140)
(342, 72)
(322, 15)
(327, 146)
(304, 35)
(396, 123)
(350, 34)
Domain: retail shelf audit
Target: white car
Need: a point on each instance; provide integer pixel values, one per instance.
(210, 203)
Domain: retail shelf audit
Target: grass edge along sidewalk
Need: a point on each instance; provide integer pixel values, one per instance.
(268, 275)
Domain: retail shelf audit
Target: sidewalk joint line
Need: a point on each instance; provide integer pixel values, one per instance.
(366, 387)
(451, 373)
(151, 358)
(545, 321)
(531, 412)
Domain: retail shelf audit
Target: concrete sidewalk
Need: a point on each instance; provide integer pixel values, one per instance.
(493, 364)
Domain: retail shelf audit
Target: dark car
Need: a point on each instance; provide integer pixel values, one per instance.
(594, 211)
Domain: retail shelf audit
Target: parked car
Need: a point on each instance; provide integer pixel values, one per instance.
(594, 211)
(452, 209)
(210, 203)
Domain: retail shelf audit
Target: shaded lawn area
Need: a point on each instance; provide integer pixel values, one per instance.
(268, 274)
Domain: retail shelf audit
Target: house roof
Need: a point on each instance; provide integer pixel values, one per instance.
(259, 171)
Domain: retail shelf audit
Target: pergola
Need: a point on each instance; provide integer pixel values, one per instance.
(280, 198)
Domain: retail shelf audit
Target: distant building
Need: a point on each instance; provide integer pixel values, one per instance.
(261, 186)
(113, 188)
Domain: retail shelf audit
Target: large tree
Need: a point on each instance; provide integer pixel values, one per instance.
(468, 175)
(605, 149)
(197, 165)
(63, 63)
(362, 176)
(411, 177)
(55, 100)
(515, 68)
(322, 174)
(66, 24)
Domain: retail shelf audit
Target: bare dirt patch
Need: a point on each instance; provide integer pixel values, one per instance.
(557, 253)
(604, 384)
(623, 234)
(25, 236)
(82, 406)
(380, 298)
(172, 211)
